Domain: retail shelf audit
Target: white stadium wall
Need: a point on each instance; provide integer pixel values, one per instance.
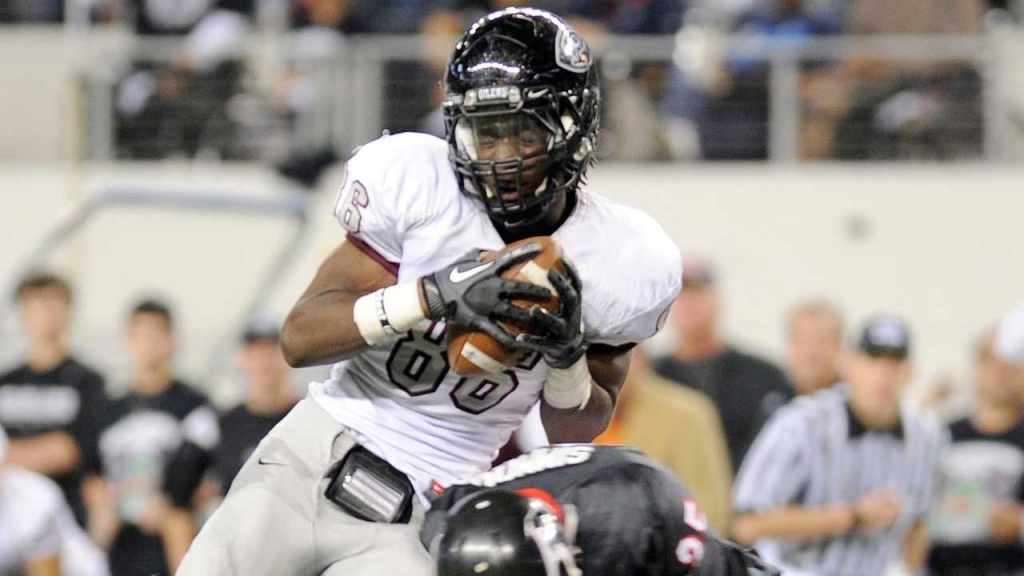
(941, 245)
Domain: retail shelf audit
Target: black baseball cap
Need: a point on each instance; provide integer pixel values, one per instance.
(261, 329)
(884, 336)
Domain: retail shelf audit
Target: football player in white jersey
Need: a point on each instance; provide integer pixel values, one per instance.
(338, 487)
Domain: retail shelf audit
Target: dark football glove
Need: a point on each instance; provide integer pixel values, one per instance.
(560, 339)
(473, 294)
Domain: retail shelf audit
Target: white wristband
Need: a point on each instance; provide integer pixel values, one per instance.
(388, 312)
(569, 388)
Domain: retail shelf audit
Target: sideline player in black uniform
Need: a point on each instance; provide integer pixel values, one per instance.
(154, 449)
(52, 405)
(628, 516)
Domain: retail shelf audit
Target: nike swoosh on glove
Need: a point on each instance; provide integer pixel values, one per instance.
(471, 293)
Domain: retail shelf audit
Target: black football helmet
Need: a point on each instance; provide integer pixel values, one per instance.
(505, 533)
(521, 112)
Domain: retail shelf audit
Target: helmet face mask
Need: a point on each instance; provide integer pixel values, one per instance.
(554, 542)
(521, 113)
(503, 533)
(505, 160)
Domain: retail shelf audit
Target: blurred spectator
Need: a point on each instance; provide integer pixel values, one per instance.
(267, 400)
(745, 389)
(815, 337)
(632, 129)
(180, 105)
(917, 16)
(38, 534)
(839, 482)
(869, 108)
(730, 112)
(52, 405)
(976, 529)
(679, 428)
(154, 448)
(31, 10)
(308, 92)
(653, 17)
(359, 16)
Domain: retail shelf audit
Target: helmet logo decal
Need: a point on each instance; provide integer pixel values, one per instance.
(571, 52)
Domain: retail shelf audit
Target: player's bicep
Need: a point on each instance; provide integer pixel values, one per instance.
(350, 270)
(608, 366)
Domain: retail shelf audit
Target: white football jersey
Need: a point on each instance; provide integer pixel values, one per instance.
(36, 523)
(401, 204)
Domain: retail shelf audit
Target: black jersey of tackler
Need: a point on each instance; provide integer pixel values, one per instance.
(631, 510)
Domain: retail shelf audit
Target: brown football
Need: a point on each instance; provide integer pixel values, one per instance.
(472, 352)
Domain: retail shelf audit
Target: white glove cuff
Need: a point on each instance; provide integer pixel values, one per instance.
(569, 388)
(388, 312)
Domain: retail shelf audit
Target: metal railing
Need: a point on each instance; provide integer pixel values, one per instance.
(352, 91)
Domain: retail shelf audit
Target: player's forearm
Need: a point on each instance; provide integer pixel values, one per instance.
(52, 454)
(601, 373)
(333, 326)
(320, 329)
(794, 523)
(575, 425)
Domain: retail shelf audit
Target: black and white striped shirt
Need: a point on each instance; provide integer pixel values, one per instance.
(814, 453)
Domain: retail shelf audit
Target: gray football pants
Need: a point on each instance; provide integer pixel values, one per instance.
(276, 520)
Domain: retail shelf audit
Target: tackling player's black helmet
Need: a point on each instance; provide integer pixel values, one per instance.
(504, 533)
(521, 112)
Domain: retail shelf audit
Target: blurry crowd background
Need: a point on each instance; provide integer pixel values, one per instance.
(140, 456)
(297, 82)
(136, 473)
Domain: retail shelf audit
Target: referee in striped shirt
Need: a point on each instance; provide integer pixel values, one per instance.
(838, 483)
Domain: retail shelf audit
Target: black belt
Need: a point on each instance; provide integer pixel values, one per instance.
(367, 487)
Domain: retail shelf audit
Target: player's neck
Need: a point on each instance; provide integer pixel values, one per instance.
(45, 355)
(152, 381)
(272, 401)
(996, 418)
